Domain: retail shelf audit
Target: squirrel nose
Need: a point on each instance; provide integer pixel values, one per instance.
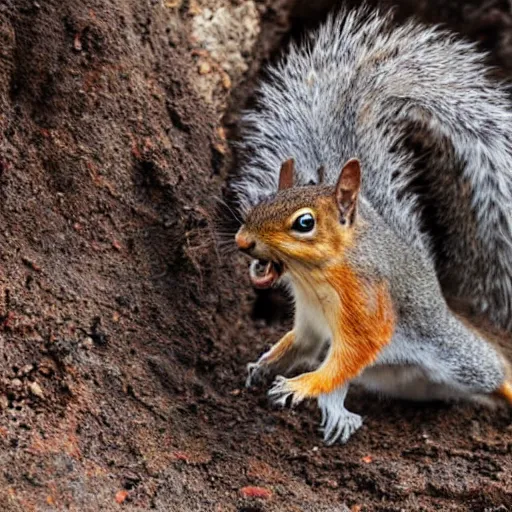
(244, 243)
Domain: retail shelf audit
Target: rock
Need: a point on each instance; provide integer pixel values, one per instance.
(36, 390)
(4, 402)
(227, 35)
(88, 343)
(16, 383)
(121, 496)
(26, 369)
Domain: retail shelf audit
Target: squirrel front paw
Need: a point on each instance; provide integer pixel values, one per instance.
(256, 373)
(281, 390)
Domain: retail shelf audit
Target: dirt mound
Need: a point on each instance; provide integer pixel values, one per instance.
(124, 331)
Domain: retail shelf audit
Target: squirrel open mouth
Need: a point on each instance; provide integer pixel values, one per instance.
(265, 273)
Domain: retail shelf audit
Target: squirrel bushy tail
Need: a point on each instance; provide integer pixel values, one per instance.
(358, 88)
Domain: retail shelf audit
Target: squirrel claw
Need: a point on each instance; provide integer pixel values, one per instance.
(339, 425)
(255, 373)
(281, 391)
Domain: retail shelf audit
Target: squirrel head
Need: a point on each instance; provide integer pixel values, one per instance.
(300, 227)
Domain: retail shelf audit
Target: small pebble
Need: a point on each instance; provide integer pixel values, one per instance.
(256, 492)
(88, 343)
(16, 383)
(27, 369)
(4, 402)
(204, 68)
(36, 390)
(121, 496)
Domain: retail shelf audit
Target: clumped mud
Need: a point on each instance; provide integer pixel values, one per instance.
(124, 326)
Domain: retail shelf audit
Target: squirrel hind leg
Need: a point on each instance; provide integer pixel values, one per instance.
(338, 424)
(505, 392)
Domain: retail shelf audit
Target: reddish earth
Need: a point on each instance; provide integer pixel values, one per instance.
(125, 330)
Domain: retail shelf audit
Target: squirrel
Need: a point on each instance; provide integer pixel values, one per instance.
(331, 208)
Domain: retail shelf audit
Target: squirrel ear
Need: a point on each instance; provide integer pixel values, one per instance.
(286, 175)
(347, 189)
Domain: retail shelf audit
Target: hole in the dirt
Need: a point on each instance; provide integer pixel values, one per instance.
(273, 306)
(97, 334)
(131, 482)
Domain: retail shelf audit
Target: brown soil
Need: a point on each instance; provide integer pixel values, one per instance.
(124, 331)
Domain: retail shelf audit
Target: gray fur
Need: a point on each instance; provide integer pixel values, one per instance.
(454, 360)
(355, 89)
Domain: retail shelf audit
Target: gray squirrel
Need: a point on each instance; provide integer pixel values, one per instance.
(330, 209)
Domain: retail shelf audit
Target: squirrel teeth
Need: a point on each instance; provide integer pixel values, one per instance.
(264, 273)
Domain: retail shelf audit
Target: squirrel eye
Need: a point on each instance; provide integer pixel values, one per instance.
(304, 223)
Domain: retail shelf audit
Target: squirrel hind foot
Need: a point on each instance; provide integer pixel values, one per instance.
(341, 426)
(338, 424)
